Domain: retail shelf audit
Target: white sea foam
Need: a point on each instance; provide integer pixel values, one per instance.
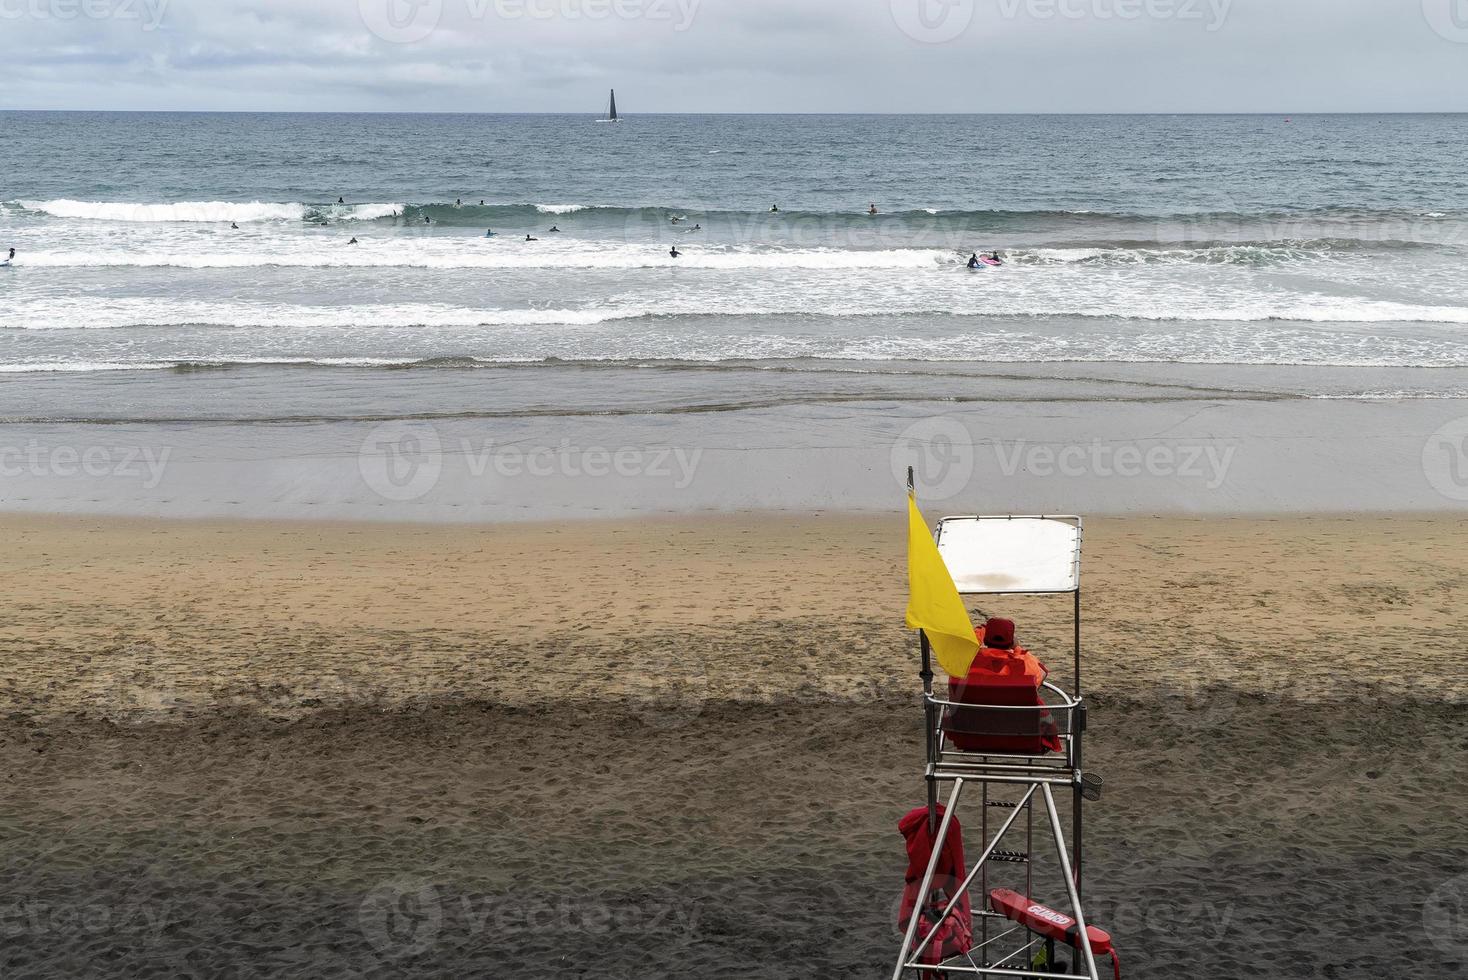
(491, 254)
(559, 208)
(215, 212)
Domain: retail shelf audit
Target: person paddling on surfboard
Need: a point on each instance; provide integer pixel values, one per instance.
(531, 238)
(774, 209)
(353, 241)
(489, 233)
(872, 209)
(995, 259)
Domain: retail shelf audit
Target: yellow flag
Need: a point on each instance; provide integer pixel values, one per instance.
(934, 605)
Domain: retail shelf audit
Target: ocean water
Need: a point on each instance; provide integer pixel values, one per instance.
(1153, 257)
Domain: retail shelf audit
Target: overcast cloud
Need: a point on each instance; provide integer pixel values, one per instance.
(737, 55)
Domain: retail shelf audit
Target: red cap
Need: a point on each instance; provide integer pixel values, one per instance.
(999, 634)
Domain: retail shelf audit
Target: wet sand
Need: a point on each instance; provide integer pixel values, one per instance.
(680, 747)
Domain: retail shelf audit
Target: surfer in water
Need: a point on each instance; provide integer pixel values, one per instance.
(353, 241)
(994, 257)
(531, 238)
(553, 230)
(973, 261)
(427, 220)
(11, 257)
(774, 209)
(234, 226)
(489, 233)
(340, 201)
(673, 252)
(698, 227)
(872, 209)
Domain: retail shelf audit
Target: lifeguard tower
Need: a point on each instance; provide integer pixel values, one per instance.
(1016, 762)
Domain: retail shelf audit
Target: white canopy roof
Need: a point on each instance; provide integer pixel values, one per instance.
(988, 555)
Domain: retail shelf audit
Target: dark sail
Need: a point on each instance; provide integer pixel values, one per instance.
(614, 105)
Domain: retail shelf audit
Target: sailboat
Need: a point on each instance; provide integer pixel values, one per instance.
(612, 112)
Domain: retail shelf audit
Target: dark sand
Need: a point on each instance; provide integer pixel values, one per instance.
(332, 751)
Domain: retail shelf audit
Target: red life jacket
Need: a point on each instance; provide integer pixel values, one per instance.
(1006, 678)
(956, 935)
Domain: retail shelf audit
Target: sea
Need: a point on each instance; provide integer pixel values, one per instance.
(257, 296)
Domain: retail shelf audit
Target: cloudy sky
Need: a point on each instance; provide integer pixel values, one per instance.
(737, 55)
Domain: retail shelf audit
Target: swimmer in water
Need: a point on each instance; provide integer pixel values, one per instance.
(673, 252)
(458, 202)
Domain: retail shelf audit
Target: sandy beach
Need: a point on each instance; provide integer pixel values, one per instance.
(679, 746)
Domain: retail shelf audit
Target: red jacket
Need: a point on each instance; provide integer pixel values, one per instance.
(956, 936)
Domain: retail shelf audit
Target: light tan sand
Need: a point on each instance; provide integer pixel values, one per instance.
(318, 750)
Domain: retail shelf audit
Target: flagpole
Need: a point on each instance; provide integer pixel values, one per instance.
(929, 711)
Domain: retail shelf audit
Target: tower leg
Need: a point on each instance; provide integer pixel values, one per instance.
(1070, 883)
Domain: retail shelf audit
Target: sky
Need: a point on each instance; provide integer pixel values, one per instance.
(737, 55)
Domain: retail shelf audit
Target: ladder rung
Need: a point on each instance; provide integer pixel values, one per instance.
(1013, 857)
(1002, 804)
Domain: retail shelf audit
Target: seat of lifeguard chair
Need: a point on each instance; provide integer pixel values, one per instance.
(1003, 676)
